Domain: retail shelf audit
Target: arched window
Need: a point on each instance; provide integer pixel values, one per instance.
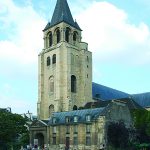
(87, 58)
(72, 59)
(67, 34)
(75, 36)
(75, 107)
(51, 109)
(50, 39)
(51, 84)
(48, 61)
(73, 84)
(58, 35)
(54, 59)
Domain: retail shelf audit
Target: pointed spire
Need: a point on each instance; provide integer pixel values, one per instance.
(62, 13)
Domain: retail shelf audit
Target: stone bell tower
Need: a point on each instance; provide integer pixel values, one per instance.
(64, 65)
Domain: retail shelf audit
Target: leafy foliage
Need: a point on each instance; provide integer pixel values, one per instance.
(11, 127)
(141, 120)
(118, 135)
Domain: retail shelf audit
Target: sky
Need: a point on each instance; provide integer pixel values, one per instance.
(117, 33)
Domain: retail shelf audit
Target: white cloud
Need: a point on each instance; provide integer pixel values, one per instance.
(112, 38)
(24, 29)
(17, 104)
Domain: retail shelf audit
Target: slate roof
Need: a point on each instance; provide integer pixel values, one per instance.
(107, 93)
(62, 13)
(143, 99)
(61, 116)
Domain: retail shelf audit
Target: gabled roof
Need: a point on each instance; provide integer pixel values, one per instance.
(61, 116)
(39, 123)
(131, 103)
(62, 13)
(103, 103)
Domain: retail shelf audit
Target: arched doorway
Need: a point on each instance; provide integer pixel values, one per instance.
(40, 138)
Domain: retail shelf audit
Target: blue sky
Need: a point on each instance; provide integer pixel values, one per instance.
(118, 34)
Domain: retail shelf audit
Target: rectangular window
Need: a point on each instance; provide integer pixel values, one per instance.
(67, 129)
(67, 143)
(54, 129)
(88, 140)
(54, 140)
(75, 140)
(88, 128)
(76, 129)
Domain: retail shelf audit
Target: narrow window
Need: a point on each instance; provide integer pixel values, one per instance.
(51, 109)
(72, 59)
(50, 39)
(74, 36)
(51, 85)
(88, 118)
(58, 35)
(75, 140)
(67, 119)
(75, 119)
(73, 84)
(54, 140)
(48, 61)
(75, 129)
(54, 120)
(67, 129)
(67, 34)
(88, 140)
(54, 59)
(87, 58)
(88, 128)
(67, 143)
(54, 130)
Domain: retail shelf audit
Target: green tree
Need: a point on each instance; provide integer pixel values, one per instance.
(118, 135)
(12, 127)
(141, 118)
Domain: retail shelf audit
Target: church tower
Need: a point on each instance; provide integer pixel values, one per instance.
(64, 65)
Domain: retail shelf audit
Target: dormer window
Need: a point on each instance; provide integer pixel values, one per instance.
(54, 120)
(88, 118)
(67, 119)
(75, 119)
